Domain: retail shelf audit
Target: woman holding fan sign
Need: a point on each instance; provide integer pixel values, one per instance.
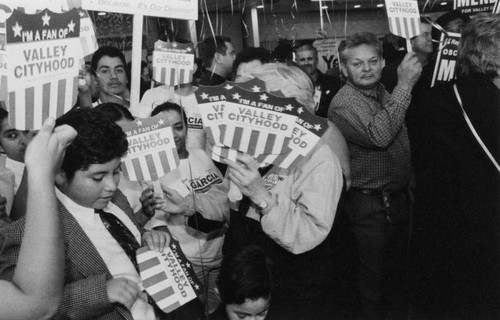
(195, 207)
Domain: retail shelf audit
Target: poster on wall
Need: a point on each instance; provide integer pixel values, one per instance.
(177, 9)
(472, 7)
(43, 51)
(446, 60)
(327, 53)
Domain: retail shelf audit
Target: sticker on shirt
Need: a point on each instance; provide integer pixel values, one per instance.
(270, 180)
(194, 122)
(204, 183)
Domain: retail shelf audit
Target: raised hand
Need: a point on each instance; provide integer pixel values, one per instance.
(245, 174)
(46, 150)
(409, 71)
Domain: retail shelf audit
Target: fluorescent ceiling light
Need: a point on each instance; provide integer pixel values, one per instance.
(101, 13)
(444, 3)
(260, 6)
(380, 5)
(357, 6)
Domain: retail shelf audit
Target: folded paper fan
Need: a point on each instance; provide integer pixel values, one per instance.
(168, 277)
(151, 150)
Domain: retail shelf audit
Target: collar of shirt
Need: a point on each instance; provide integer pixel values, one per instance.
(17, 169)
(79, 212)
(86, 215)
(375, 94)
(96, 103)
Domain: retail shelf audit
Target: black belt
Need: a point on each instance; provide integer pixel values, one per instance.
(378, 193)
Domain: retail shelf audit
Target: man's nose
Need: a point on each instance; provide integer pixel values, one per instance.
(113, 74)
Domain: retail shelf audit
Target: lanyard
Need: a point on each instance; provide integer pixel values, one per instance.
(474, 130)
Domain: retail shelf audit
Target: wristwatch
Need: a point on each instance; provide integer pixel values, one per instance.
(262, 205)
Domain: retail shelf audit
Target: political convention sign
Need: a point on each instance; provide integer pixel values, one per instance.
(3, 73)
(5, 11)
(472, 7)
(253, 122)
(168, 276)
(173, 63)
(307, 132)
(43, 51)
(496, 7)
(257, 122)
(196, 137)
(305, 135)
(87, 33)
(446, 61)
(212, 102)
(177, 9)
(404, 17)
(151, 149)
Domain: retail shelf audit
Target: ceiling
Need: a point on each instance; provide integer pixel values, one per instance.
(285, 6)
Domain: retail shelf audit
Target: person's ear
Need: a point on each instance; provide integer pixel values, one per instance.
(217, 58)
(61, 179)
(343, 68)
(412, 42)
(93, 77)
(383, 63)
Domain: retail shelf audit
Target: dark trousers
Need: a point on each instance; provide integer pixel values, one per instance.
(382, 241)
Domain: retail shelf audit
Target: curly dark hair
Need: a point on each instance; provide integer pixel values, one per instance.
(113, 111)
(99, 140)
(245, 275)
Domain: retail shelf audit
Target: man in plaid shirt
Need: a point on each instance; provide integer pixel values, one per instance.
(372, 121)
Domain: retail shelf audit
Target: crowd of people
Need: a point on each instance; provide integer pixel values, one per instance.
(393, 214)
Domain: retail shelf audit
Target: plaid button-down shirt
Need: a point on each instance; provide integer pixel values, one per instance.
(373, 124)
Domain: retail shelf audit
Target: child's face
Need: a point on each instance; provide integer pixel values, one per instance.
(94, 187)
(250, 309)
(14, 142)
